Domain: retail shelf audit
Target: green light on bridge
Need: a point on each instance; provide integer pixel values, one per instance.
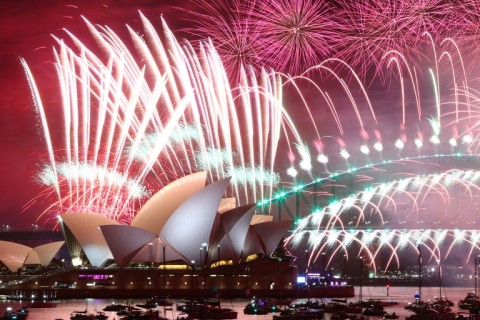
(280, 195)
(369, 189)
(297, 221)
(333, 202)
(264, 202)
(298, 187)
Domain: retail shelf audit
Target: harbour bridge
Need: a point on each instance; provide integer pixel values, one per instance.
(426, 201)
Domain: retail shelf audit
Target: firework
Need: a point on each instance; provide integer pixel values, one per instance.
(388, 244)
(361, 219)
(294, 35)
(283, 35)
(291, 36)
(128, 127)
(228, 24)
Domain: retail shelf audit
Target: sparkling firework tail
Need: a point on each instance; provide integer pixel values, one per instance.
(431, 239)
(40, 110)
(122, 105)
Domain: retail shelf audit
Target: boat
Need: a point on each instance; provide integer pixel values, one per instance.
(375, 310)
(128, 310)
(443, 301)
(346, 316)
(81, 316)
(471, 301)
(100, 315)
(418, 306)
(214, 313)
(155, 302)
(205, 311)
(115, 307)
(439, 305)
(143, 315)
(260, 306)
(390, 316)
(17, 315)
(431, 315)
(334, 307)
(252, 309)
(383, 303)
(297, 314)
(442, 305)
(23, 311)
(309, 304)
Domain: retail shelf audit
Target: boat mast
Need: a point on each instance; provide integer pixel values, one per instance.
(440, 277)
(361, 280)
(476, 274)
(164, 275)
(419, 273)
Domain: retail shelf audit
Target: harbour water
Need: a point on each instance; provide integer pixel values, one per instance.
(404, 295)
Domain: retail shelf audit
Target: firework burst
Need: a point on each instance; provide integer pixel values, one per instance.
(228, 25)
(295, 35)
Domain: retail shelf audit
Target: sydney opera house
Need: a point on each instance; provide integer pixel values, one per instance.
(186, 240)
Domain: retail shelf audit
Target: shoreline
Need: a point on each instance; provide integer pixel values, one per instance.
(100, 293)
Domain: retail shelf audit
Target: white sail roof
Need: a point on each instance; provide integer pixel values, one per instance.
(264, 237)
(231, 232)
(44, 254)
(158, 209)
(85, 228)
(13, 255)
(271, 233)
(191, 224)
(125, 241)
(153, 252)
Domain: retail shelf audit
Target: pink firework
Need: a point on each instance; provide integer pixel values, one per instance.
(467, 22)
(294, 35)
(375, 27)
(228, 25)
(291, 36)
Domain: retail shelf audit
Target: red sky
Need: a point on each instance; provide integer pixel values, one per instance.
(26, 28)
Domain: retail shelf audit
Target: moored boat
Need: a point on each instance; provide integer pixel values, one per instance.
(340, 307)
(309, 304)
(143, 315)
(205, 311)
(470, 301)
(17, 315)
(382, 302)
(260, 306)
(431, 315)
(390, 316)
(100, 315)
(155, 302)
(79, 315)
(115, 307)
(346, 316)
(375, 310)
(296, 314)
